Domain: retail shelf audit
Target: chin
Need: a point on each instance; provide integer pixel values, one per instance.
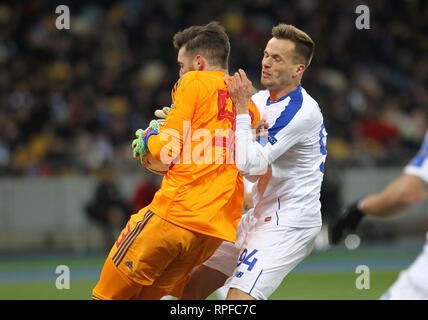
(264, 82)
(268, 84)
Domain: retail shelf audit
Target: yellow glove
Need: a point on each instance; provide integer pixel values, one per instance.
(161, 115)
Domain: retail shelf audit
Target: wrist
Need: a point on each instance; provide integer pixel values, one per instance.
(355, 215)
(241, 108)
(148, 134)
(359, 207)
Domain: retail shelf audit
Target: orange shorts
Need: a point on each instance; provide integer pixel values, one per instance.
(152, 258)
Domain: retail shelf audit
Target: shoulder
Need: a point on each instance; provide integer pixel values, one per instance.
(300, 113)
(188, 77)
(192, 81)
(419, 164)
(310, 107)
(309, 102)
(260, 97)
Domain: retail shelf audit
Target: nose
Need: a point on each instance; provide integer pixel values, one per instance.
(266, 63)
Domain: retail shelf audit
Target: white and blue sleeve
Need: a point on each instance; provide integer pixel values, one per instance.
(253, 157)
(418, 166)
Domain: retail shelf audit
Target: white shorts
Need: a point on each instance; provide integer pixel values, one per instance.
(412, 283)
(405, 288)
(264, 253)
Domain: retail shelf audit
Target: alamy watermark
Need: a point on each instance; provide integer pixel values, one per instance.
(363, 20)
(63, 280)
(363, 280)
(63, 20)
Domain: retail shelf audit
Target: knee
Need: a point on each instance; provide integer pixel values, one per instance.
(236, 294)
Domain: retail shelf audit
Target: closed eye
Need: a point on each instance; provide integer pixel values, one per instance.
(276, 58)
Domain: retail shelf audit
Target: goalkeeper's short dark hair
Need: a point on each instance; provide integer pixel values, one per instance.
(210, 41)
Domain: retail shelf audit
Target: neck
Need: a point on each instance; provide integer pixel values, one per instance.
(276, 94)
(214, 68)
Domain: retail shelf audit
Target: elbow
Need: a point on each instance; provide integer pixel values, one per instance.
(252, 170)
(241, 163)
(242, 168)
(407, 199)
(409, 190)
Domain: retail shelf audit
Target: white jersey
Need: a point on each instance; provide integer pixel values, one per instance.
(295, 148)
(418, 166)
(287, 168)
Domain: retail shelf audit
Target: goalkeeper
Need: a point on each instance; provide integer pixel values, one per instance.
(408, 189)
(198, 205)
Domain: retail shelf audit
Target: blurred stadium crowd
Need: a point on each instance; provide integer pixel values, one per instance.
(71, 100)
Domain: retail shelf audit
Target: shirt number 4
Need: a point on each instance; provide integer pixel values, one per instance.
(248, 259)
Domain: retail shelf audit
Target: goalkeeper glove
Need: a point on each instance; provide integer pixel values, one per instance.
(346, 223)
(140, 144)
(161, 115)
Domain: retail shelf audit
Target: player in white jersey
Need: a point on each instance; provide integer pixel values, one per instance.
(286, 166)
(408, 189)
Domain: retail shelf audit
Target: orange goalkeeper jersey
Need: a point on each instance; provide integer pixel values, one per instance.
(203, 190)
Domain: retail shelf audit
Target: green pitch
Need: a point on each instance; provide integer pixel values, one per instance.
(333, 286)
(305, 286)
(323, 275)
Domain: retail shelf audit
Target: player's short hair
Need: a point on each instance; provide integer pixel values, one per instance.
(304, 45)
(210, 40)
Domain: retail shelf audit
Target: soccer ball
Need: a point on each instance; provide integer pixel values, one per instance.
(153, 165)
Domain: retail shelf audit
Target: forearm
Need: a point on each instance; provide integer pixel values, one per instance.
(398, 196)
(249, 159)
(381, 205)
(166, 146)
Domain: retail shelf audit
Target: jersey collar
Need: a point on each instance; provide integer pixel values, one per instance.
(297, 90)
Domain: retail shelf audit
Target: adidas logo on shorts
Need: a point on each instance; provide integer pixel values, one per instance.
(130, 265)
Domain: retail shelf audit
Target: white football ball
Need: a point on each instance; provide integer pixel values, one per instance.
(153, 165)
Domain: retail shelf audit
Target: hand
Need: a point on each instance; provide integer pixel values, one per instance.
(161, 115)
(138, 147)
(260, 128)
(240, 91)
(346, 223)
(140, 144)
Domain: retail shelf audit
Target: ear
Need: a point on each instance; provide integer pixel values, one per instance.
(199, 63)
(300, 68)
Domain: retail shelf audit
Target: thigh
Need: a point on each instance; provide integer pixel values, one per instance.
(267, 256)
(225, 258)
(140, 251)
(147, 247)
(404, 288)
(159, 255)
(203, 282)
(114, 285)
(198, 249)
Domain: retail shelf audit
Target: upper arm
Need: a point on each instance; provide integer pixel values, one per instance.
(186, 97)
(408, 189)
(177, 124)
(282, 138)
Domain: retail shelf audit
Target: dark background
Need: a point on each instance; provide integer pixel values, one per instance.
(71, 100)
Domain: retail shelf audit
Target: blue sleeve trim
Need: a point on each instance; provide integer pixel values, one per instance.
(288, 114)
